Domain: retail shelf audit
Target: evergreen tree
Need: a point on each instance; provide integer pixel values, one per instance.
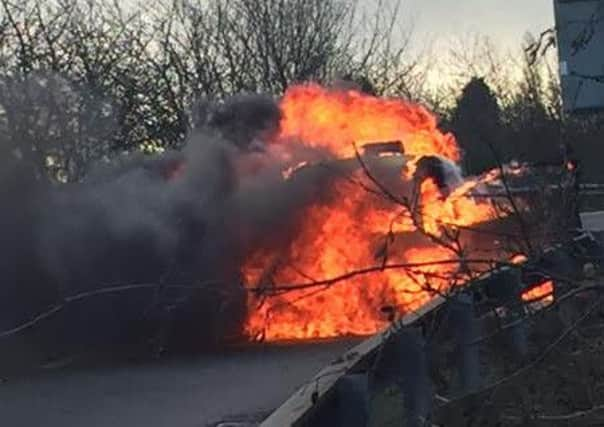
(477, 124)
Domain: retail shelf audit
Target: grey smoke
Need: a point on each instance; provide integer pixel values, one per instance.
(244, 120)
(183, 220)
(127, 222)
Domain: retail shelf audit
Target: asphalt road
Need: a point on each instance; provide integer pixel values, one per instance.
(174, 393)
(593, 221)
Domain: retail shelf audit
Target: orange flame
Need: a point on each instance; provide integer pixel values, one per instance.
(457, 209)
(541, 292)
(518, 259)
(538, 292)
(336, 120)
(346, 261)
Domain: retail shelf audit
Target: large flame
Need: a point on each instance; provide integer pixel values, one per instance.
(346, 261)
(338, 119)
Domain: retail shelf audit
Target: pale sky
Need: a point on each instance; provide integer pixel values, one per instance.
(504, 21)
(439, 27)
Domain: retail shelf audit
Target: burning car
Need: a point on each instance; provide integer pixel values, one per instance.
(390, 181)
(396, 174)
(320, 242)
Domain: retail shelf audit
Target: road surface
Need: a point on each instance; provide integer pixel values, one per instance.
(174, 393)
(593, 221)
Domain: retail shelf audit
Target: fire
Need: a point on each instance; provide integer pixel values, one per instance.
(457, 209)
(518, 259)
(357, 252)
(336, 241)
(541, 292)
(336, 120)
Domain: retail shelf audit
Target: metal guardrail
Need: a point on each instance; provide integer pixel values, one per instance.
(584, 189)
(308, 398)
(347, 381)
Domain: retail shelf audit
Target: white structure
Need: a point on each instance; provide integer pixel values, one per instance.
(580, 33)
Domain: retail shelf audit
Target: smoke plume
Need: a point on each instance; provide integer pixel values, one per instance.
(181, 220)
